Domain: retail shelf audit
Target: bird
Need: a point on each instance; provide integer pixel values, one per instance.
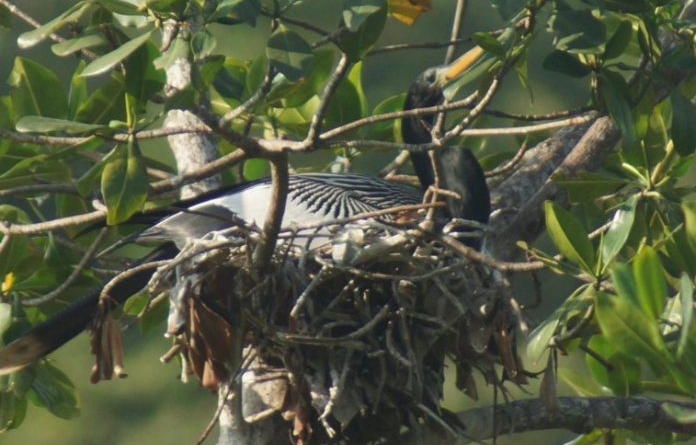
(311, 198)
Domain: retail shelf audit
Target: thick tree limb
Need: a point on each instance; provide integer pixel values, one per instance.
(577, 414)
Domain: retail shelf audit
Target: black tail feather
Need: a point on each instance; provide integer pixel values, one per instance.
(64, 326)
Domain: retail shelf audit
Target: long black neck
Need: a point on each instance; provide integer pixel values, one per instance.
(416, 130)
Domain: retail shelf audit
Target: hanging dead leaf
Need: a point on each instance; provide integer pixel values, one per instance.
(408, 11)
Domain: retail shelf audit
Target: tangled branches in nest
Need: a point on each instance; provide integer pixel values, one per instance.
(354, 335)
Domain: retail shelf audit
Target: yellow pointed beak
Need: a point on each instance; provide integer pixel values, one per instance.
(463, 63)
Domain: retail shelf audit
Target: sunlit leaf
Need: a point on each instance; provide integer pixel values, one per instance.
(289, 53)
(620, 228)
(36, 90)
(70, 46)
(650, 282)
(31, 38)
(569, 236)
(357, 44)
(616, 46)
(355, 12)
(109, 60)
(686, 295)
(623, 323)
(105, 104)
(238, 11)
(39, 124)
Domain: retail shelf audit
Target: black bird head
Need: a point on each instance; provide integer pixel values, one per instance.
(461, 171)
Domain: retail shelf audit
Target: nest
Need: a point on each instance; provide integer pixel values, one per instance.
(351, 337)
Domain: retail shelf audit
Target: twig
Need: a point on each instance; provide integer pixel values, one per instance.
(505, 168)
(54, 224)
(274, 217)
(329, 90)
(421, 45)
(252, 101)
(74, 275)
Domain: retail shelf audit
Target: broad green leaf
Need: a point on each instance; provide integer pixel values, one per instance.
(623, 323)
(586, 186)
(686, 295)
(203, 44)
(683, 124)
(37, 169)
(5, 315)
(106, 104)
(13, 410)
(237, 10)
(346, 104)
(581, 383)
(124, 183)
(615, 94)
(31, 38)
(256, 169)
(620, 228)
(155, 316)
(650, 282)
(616, 46)
(289, 53)
(36, 90)
(38, 124)
(109, 60)
(489, 43)
(624, 283)
(143, 80)
(355, 12)
(689, 209)
(313, 82)
(78, 93)
(387, 130)
(52, 389)
(569, 236)
(67, 47)
(577, 31)
(357, 44)
(680, 413)
(565, 63)
(624, 378)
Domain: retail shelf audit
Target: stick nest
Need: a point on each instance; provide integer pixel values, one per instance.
(348, 340)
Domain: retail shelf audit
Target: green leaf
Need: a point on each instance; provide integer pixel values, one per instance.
(623, 323)
(650, 281)
(120, 7)
(13, 410)
(289, 53)
(565, 63)
(111, 59)
(78, 90)
(53, 390)
(689, 209)
(577, 31)
(355, 12)
(617, 44)
(680, 413)
(5, 316)
(237, 10)
(356, 44)
(203, 44)
(620, 228)
(170, 7)
(625, 285)
(67, 47)
(36, 90)
(31, 38)
(346, 104)
(686, 296)
(38, 124)
(387, 130)
(624, 378)
(312, 83)
(256, 169)
(489, 43)
(614, 92)
(5, 18)
(105, 104)
(581, 383)
(683, 124)
(124, 183)
(569, 237)
(143, 80)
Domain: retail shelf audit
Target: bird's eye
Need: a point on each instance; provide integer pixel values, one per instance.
(430, 77)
